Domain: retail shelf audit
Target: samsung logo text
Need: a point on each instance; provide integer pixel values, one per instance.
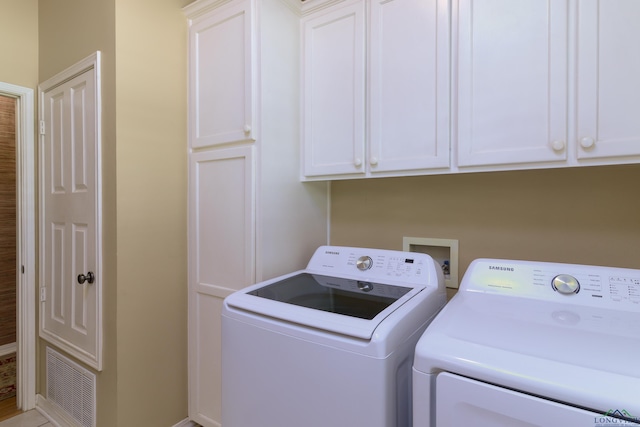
(500, 268)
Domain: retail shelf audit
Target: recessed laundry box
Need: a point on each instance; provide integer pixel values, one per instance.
(330, 345)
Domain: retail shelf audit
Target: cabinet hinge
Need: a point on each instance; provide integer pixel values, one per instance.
(43, 294)
(42, 128)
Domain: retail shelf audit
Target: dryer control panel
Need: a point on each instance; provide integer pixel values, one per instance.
(605, 287)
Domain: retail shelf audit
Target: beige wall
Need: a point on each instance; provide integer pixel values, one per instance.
(19, 43)
(69, 31)
(151, 72)
(587, 215)
(143, 45)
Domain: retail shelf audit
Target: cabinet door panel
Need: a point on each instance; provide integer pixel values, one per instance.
(221, 234)
(221, 83)
(205, 352)
(333, 87)
(409, 85)
(512, 81)
(608, 79)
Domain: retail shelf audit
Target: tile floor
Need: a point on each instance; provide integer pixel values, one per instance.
(31, 418)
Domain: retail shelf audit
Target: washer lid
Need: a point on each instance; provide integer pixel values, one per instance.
(338, 304)
(355, 298)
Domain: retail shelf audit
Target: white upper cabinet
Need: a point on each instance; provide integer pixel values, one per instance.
(375, 82)
(511, 100)
(220, 76)
(608, 73)
(413, 87)
(408, 85)
(333, 73)
(545, 83)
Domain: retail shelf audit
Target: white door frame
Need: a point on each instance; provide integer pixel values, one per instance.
(26, 292)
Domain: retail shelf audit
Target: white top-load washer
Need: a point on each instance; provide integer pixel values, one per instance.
(331, 345)
(533, 344)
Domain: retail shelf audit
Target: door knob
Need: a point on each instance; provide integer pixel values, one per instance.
(90, 277)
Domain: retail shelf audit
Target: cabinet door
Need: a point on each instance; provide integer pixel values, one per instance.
(333, 91)
(221, 89)
(221, 260)
(512, 81)
(608, 79)
(409, 85)
(221, 217)
(205, 353)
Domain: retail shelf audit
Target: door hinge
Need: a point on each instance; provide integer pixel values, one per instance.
(42, 128)
(43, 294)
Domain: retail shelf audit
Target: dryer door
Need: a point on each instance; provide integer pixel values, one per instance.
(461, 401)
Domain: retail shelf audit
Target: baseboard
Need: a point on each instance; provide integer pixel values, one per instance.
(54, 414)
(187, 423)
(58, 418)
(8, 349)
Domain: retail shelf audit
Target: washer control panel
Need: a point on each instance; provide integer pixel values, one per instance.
(373, 264)
(580, 284)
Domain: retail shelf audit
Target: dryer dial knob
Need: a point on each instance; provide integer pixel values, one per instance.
(565, 284)
(364, 263)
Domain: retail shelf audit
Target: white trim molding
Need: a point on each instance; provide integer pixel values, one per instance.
(54, 413)
(8, 349)
(186, 423)
(26, 265)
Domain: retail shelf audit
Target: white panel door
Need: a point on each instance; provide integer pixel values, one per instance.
(608, 79)
(221, 100)
(70, 227)
(512, 81)
(461, 401)
(221, 260)
(409, 85)
(333, 79)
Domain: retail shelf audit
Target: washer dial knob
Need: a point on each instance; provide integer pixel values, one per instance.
(365, 286)
(565, 284)
(364, 263)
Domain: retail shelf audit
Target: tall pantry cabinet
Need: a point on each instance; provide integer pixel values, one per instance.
(250, 218)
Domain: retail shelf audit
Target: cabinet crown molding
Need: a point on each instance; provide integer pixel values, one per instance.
(309, 7)
(200, 7)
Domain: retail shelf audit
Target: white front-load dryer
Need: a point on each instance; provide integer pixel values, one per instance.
(533, 344)
(331, 345)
